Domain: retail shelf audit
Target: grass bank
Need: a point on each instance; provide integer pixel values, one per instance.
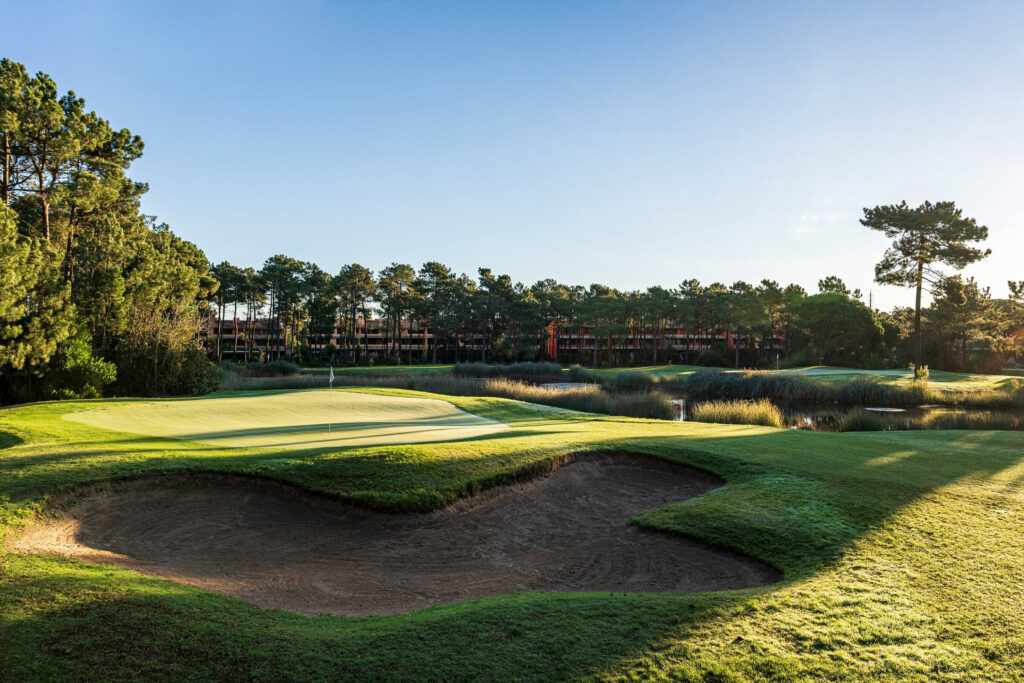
(902, 554)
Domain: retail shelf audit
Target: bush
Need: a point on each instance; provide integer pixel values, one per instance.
(527, 371)
(276, 368)
(792, 387)
(632, 380)
(712, 358)
(578, 373)
(75, 372)
(761, 412)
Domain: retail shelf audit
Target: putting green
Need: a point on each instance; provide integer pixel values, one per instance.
(301, 419)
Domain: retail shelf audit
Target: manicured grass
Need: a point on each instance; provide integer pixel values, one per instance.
(903, 555)
(294, 420)
(940, 378)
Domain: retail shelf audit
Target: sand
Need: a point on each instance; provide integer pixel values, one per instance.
(276, 546)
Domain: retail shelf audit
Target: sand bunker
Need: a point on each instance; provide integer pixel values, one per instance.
(295, 420)
(274, 546)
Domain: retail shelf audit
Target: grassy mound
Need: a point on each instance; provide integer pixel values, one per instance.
(294, 420)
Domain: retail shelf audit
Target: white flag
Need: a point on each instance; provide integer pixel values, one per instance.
(330, 378)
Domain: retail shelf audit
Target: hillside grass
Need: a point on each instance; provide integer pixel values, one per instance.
(903, 556)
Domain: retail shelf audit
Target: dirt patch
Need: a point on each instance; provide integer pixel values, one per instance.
(275, 546)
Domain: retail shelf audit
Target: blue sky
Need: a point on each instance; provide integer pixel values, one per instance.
(628, 143)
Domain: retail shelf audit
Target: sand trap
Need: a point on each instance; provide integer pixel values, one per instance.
(274, 546)
(295, 420)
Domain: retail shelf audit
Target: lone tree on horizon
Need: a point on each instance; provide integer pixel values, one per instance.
(927, 235)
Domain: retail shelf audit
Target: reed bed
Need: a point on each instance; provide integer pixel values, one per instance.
(793, 388)
(536, 372)
(868, 421)
(740, 411)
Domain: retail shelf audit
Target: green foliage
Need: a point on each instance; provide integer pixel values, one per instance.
(75, 248)
(631, 381)
(922, 237)
(839, 328)
(527, 371)
(276, 368)
(578, 373)
(74, 372)
(35, 313)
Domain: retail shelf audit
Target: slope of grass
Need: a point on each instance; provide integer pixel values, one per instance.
(294, 420)
(903, 555)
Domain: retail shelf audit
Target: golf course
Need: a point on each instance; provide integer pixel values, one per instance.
(341, 534)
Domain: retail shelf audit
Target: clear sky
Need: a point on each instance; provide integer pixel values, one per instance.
(628, 143)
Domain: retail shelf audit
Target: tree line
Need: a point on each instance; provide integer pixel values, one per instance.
(95, 296)
(491, 318)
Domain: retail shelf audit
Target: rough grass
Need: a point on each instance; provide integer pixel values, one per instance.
(760, 412)
(902, 554)
(858, 391)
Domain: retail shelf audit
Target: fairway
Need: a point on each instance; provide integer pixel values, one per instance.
(295, 420)
(900, 552)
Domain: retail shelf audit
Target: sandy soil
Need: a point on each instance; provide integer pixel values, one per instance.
(275, 546)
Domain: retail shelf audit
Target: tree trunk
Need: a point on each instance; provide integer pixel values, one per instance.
(220, 328)
(366, 331)
(917, 322)
(433, 347)
(5, 190)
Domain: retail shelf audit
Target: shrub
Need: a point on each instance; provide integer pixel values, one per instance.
(862, 391)
(74, 372)
(527, 371)
(632, 380)
(578, 373)
(760, 412)
(712, 358)
(275, 368)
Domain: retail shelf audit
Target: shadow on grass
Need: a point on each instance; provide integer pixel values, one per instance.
(796, 500)
(181, 632)
(7, 440)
